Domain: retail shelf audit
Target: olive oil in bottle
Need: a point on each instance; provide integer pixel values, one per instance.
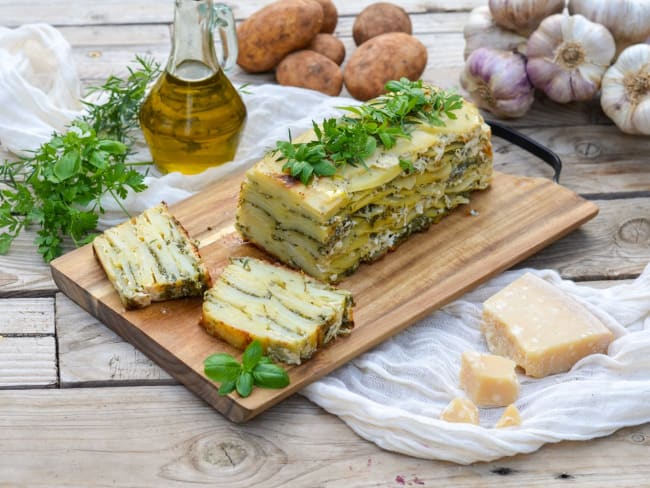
(193, 116)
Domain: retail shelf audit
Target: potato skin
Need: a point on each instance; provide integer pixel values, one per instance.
(330, 16)
(271, 33)
(309, 69)
(380, 18)
(381, 59)
(329, 46)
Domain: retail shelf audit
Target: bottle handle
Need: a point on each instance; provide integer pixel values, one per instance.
(224, 20)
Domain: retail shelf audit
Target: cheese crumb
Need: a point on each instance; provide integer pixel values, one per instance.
(540, 328)
(490, 381)
(509, 418)
(460, 410)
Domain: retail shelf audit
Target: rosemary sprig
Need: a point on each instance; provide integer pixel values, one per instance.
(354, 137)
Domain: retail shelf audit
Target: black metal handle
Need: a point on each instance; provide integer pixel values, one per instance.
(530, 145)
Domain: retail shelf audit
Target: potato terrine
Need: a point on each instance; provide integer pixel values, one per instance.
(291, 314)
(330, 226)
(150, 258)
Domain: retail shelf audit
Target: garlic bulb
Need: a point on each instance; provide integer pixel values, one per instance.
(523, 16)
(625, 96)
(481, 31)
(567, 57)
(496, 81)
(627, 20)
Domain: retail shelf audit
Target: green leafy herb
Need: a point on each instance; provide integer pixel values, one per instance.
(352, 138)
(254, 370)
(60, 186)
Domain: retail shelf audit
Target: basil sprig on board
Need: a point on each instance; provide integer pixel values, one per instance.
(255, 369)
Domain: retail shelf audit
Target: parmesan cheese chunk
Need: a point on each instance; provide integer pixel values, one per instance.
(540, 328)
(291, 314)
(509, 418)
(460, 410)
(490, 381)
(150, 258)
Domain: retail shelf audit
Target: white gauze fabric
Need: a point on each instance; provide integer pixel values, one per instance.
(394, 394)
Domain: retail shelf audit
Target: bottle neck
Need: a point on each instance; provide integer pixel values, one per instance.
(193, 57)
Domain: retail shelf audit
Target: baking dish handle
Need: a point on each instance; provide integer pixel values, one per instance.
(530, 145)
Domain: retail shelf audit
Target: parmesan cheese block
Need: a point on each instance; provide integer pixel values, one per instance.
(291, 314)
(150, 258)
(490, 381)
(460, 410)
(540, 328)
(509, 418)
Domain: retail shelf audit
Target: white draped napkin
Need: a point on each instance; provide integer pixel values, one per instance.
(393, 395)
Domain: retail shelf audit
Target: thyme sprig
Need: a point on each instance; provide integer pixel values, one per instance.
(60, 186)
(352, 138)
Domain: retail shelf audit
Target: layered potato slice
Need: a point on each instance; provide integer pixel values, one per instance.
(335, 223)
(291, 314)
(150, 258)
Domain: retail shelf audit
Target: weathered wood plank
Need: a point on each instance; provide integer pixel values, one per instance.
(27, 362)
(26, 316)
(614, 245)
(91, 353)
(22, 270)
(163, 436)
(93, 12)
(596, 159)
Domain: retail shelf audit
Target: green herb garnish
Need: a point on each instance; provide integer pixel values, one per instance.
(352, 138)
(254, 370)
(60, 186)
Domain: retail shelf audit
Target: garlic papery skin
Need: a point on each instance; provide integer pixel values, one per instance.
(625, 95)
(567, 57)
(627, 20)
(481, 31)
(523, 16)
(496, 81)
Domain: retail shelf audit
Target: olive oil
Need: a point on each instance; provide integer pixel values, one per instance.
(192, 119)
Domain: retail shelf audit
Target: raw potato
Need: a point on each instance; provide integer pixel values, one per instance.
(271, 33)
(309, 69)
(330, 16)
(329, 46)
(380, 18)
(381, 59)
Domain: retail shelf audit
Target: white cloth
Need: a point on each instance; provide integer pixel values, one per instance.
(394, 394)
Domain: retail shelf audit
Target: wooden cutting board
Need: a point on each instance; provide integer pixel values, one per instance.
(514, 218)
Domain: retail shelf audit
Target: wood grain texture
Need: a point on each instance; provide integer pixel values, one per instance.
(516, 217)
(93, 12)
(27, 362)
(163, 436)
(92, 354)
(26, 316)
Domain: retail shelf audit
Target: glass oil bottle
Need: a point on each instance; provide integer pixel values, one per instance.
(193, 116)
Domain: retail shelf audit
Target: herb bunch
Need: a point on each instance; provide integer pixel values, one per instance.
(354, 137)
(254, 370)
(60, 186)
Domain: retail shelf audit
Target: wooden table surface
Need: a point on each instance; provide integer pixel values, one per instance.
(80, 407)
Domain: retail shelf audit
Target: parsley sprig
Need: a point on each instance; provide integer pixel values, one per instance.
(254, 370)
(59, 187)
(355, 136)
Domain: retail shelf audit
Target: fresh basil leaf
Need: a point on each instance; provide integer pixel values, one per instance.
(227, 387)
(245, 384)
(221, 367)
(270, 376)
(252, 355)
(68, 165)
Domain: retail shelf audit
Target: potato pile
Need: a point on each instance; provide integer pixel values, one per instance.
(295, 38)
